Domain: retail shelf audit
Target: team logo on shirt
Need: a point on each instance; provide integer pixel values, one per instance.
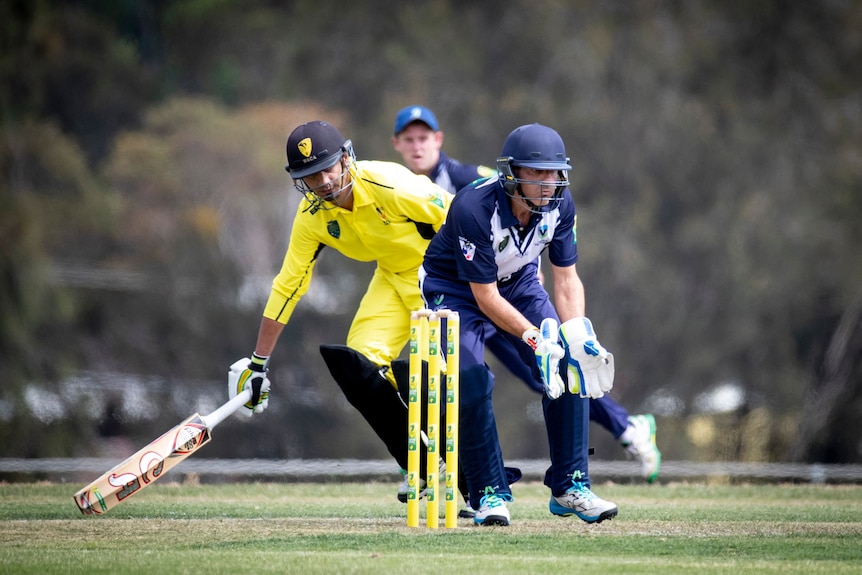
(468, 250)
(502, 245)
(543, 231)
(333, 228)
(436, 199)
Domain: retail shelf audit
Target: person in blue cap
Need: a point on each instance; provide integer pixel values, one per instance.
(419, 140)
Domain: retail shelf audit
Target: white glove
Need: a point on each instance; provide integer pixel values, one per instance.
(591, 367)
(531, 337)
(245, 372)
(548, 356)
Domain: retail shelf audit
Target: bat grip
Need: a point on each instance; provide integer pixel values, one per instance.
(227, 409)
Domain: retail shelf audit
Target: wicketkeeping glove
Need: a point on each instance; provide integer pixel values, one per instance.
(548, 356)
(591, 367)
(245, 372)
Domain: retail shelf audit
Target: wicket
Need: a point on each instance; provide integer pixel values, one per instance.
(425, 340)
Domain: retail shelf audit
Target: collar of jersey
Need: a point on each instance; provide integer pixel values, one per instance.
(360, 197)
(507, 218)
(441, 161)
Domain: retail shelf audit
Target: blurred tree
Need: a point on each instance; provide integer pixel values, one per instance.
(63, 62)
(717, 176)
(52, 210)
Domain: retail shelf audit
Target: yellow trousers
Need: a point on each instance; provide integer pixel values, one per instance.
(381, 326)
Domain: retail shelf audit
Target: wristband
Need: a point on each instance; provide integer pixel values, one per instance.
(258, 363)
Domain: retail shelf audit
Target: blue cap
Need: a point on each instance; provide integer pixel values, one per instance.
(412, 114)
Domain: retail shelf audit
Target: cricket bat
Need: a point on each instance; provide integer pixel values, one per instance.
(154, 460)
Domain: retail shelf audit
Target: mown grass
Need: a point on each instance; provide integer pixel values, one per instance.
(360, 528)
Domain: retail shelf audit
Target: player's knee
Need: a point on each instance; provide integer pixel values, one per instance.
(477, 384)
(351, 370)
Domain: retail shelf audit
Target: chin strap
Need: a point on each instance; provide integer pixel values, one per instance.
(530, 205)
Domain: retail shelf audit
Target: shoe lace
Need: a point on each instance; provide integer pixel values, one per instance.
(581, 490)
(493, 499)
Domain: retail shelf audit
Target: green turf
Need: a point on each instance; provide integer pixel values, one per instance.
(360, 528)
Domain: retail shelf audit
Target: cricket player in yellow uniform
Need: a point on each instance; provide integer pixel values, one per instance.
(368, 211)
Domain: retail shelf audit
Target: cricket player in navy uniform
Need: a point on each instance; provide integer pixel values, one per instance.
(417, 137)
(367, 211)
(419, 140)
(478, 265)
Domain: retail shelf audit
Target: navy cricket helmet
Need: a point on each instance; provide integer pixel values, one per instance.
(540, 148)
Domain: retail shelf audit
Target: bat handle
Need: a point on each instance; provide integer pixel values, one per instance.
(227, 409)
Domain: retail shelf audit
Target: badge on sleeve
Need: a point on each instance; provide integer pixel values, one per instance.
(468, 250)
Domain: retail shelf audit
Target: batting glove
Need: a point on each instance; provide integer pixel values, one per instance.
(591, 366)
(531, 337)
(250, 372)
(548, 356)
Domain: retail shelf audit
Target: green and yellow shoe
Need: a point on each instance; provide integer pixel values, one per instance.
(639, 440)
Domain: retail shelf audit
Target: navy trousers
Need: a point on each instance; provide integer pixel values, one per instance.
(566, 418)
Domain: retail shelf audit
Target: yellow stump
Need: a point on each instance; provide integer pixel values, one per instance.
(433, 414)
(426, 336)
(414, 415)
(453, 404)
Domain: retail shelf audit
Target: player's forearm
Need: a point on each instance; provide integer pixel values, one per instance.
(569, 298)
(288, 287)
(501, 312)
(569, 304)
(267, 336)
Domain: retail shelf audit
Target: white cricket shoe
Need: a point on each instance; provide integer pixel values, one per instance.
(639, 441)
(492, 510)
(580, 501)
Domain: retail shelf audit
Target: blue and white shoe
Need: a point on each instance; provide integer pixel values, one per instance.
(492, 509)
(580, 501)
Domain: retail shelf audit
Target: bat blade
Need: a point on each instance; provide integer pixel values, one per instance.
(153, 461)
(144, 467)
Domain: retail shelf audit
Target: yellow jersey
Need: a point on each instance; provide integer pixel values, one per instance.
(392, 208)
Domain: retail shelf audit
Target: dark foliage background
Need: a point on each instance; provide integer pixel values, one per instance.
(144, 208)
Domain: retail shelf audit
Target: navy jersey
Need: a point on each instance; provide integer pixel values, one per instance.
(483, 242)
(452, 175)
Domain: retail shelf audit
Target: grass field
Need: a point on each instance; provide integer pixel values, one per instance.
(360, 528)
